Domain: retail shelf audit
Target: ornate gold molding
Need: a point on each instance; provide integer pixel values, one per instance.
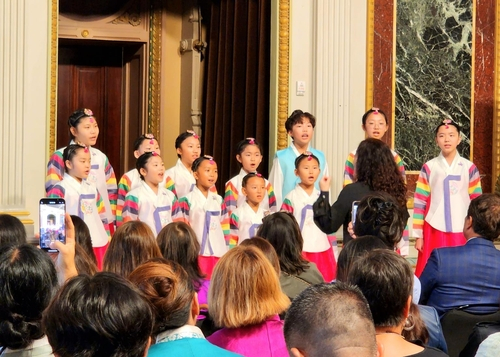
(283, 71)
(154, 95)
(53, 78)
(496, 104)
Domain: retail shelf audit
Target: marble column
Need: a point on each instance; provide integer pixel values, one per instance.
(24, 83)
(339, 81)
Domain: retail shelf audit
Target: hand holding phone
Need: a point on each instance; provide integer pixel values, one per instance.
(52, 222)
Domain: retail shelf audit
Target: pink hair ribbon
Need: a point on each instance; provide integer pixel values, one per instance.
(447, 123)
(150, 136)
(251, 141)
(154, 153)
(208, 157)
(375, 110)
(86, 149)
(88, 112)
(309, 155)
(196, 136)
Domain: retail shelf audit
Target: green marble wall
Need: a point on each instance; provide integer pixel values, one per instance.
(433, 75)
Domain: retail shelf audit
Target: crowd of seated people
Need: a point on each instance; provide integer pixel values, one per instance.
(263, 298)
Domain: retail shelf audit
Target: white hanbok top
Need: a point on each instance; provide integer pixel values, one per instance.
(244, 223)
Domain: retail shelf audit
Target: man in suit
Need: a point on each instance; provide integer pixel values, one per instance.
(467, 277)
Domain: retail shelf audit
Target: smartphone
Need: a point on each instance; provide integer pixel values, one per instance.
(52, 224)
(353, 212)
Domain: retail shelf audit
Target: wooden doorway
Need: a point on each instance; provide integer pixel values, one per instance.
(108, 78)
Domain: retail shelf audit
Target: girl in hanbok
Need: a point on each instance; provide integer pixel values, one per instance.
(445, 187)
(249, 155)
(247, 218)
(375, 125)
(132, 179)
(84, 131)
(317, 245)
(150, 202)
(206, 212)
(82, 197)
(181, 180)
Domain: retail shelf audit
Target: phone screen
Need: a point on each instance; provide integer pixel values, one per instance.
(52, 226)
(354, 211)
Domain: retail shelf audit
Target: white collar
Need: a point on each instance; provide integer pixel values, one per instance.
(186, 331)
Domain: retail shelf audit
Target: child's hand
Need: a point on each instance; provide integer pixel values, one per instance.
(65, 262)
(419, 244)
(324, 183)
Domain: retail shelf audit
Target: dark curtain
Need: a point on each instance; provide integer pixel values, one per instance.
(236, 82)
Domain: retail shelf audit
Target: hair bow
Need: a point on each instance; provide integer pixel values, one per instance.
(196, 136)
(375, 110)
(447, 123)
(251, 141)
(210, 158)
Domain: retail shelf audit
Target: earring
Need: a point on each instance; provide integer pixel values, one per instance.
(409, 323)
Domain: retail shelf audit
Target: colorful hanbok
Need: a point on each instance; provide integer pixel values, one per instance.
(319, 248)
(244, 223)
(442, 198)
(154, 209)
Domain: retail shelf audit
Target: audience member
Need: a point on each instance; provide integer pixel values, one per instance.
(266, 248)
(330, 320)
(245, 299)
(133, 243)
(29, 281)
(11, 230)
(282, 231)
(84, 264)
(103, 315)
(170, 291)
(83, 237)
(177, 242)
(386, 280)
(467, 276)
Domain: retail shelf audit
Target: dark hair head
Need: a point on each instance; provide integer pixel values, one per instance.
(198, 161)
(266, 248)
(103, 315)
(485, 213)
(240, 147)
(353, 250)
(138, 142)
(306, 155)
(169, 290)
(249, 176)
(298, 116)
(83, 238)
(142, 161)
(183, 136)
(380, 215)
(373, 110)
(133, 243)
(79, 114)
(177, 242)
(28, 282)
(376, 167)
(283, 232)
(325, 319)
(386, 280)
(447, 122)
(69, 153)
(11, 230)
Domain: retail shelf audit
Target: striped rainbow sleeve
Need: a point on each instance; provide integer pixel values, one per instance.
(101, 209)
(57, 191)
(287, 205)
(230, 197)
(55, 171)
(421, 198)
(474, 182)
(224, 222)
(349, 169)
(170, 185)
(401, 165)
(234, 228)
(272, 199)
(130, 208)
(123, 188)
(176, 208)
(112, 187)
(182, 211)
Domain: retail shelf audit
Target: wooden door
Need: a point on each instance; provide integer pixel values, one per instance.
(94, 75)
